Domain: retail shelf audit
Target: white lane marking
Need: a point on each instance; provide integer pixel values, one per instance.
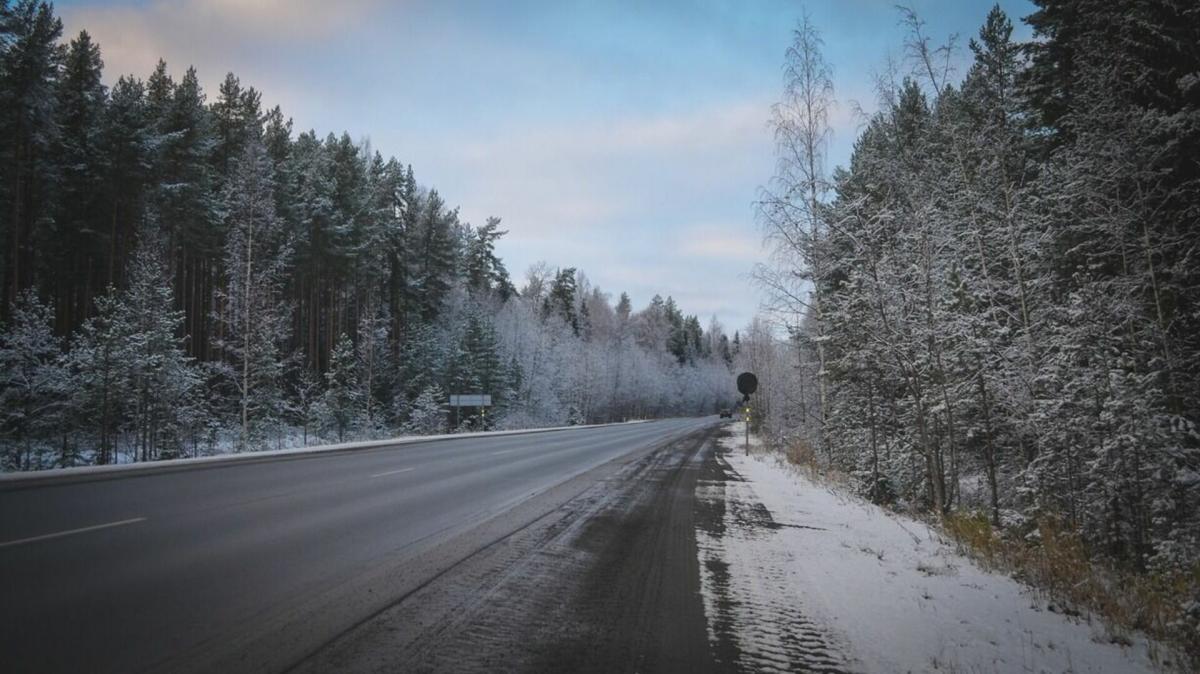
(503, 451)
(393, 472)
(60, 534)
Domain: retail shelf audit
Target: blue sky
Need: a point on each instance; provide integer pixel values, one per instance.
(625, 138)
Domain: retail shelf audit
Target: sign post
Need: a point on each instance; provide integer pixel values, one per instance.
(480, 400)
(747, 383)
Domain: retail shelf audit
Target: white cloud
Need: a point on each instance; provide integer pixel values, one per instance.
(206, 33)
(577, 177)
(731, 242)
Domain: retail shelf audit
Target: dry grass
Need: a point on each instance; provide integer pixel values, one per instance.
(804, 456)
(800, 453)
(1058, 565)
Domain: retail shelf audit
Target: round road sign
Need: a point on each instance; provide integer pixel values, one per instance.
(747, 383)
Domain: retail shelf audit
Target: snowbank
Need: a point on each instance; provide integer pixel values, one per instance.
(886, 590)
(89, 472)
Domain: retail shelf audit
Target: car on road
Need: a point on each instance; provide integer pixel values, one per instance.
(726, 414)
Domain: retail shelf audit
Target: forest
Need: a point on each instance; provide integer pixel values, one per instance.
(994, 310)
(183, 277)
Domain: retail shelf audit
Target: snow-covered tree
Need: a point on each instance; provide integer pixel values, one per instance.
(343, 397)
(161, 384)
(32, 383)
(251, 307)
(428, 413)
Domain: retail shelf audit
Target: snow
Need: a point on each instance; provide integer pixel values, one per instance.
(887, 590)
(232, 457)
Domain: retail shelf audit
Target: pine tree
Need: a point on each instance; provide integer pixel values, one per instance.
(74, 243)
(433, 256)
(624, 308)
(29, 63)
(182, 202)
(484, 271)
(560, 301)
(237, 121)
(125, 142)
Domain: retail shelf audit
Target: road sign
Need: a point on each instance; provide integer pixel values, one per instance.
(470, 400)
(747, 383)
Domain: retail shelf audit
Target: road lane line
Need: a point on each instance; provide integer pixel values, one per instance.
(503, 451)
(393, 472)
(60, 534)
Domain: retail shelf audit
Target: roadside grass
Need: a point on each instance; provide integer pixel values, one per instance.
(1057, 565)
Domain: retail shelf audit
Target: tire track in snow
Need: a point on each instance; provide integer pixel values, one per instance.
(753, 623)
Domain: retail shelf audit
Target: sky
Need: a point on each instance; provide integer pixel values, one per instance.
(626, 138)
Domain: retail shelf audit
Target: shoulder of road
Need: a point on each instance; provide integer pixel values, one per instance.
(20, 480)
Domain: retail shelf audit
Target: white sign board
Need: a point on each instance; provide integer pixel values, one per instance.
(470, 400)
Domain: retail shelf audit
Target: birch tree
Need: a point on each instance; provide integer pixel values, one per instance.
(254, 315)
(791, 207)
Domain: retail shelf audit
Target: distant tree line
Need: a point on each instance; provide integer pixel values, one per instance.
(181, 276)
(996, 305)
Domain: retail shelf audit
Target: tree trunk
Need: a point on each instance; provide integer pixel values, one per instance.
(246, 336)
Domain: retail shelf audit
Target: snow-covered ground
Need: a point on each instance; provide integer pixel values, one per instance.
(226, 452)
(862, 589)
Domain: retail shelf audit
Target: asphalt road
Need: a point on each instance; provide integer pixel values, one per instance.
(256, 566)
(607, 583)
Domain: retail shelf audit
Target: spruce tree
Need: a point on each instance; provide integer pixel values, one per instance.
(31, 383)
(100, 363)
(343, 397)
(160, 379)
(428, 415)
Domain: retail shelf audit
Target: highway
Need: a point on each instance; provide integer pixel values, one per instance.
(254, 566)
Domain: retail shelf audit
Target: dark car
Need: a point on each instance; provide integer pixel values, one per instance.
(726, 414)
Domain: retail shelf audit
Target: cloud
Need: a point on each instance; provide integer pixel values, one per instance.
(730, 242)
(646, 202)
(207, 33)
(716, 127)
(598, 172)
(285, 19)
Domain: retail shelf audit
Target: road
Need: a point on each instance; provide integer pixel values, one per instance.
(257, 566)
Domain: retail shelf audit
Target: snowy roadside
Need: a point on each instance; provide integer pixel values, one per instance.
(84, 472)
(873, 591)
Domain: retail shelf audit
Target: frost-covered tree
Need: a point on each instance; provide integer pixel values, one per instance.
(343, 397)
(32, 383)
(251, 308)
(791, 208)
(305, 400)
(428, 414)
(99, 357)
(373, 363)
(1005, 303)
(160, 396)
